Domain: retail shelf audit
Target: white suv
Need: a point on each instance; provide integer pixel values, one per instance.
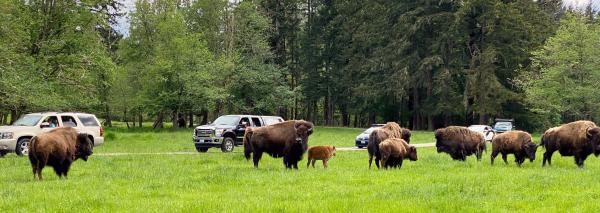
(16, 137)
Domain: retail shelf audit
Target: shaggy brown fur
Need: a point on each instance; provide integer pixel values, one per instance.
(58, 148)
(323, 153)
(518, 143)
(288, 139)
(389, 130)
(578, 139)
(394, 151)
(459, 142)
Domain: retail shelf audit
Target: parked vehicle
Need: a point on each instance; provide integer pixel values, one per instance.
(15, 138)
(487, 131)
(227, 131)
(363, 138)
(504, 125)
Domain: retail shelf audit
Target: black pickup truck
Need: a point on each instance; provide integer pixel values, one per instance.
(227, 131)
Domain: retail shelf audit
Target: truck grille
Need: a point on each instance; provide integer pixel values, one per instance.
(204, 132)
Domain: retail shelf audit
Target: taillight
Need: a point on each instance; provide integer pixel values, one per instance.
(101, 132)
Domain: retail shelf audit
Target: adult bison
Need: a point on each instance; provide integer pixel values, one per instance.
(459, 142)
(287, 139)
(578, 139)
(389, 130)
(518, 143)
(394, 151)
(58, 148)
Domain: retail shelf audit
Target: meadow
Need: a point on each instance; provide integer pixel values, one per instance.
(143, 180)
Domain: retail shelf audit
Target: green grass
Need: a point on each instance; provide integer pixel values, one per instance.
(226, 182)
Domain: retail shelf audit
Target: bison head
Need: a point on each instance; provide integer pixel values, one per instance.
(84, 146)
(593, 136)
(332, 150)
(439, 141)
(406, 135)
(303, 130)
(412, 153)
(530, 149)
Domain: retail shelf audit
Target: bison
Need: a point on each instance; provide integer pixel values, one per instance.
(288, 139)
(58, 148)
(518, 143)
(578, 139)
(323, 153)
(389, 130)
(459, 142)
(394, 151)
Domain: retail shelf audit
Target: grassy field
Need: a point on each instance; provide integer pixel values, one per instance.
(226, 182)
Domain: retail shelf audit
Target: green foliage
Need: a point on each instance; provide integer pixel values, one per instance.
(565, 72)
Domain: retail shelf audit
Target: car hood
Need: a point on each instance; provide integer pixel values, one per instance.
(15, 128)
(214, 126)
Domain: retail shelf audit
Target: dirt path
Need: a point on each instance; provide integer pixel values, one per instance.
(237, 151)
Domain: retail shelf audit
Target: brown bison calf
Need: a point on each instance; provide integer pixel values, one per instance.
(518, 143)
(459, 142)
(389, 130)
(578, 139)
(323, 153)
(394, 151)
(58, 148)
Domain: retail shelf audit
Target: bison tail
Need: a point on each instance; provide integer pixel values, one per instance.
(247, 146)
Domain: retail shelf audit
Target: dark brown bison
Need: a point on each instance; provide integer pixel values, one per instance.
(578, 139)
(323, 153)
(288, 139)
(58, 148)
(518, 143)
(394, 151)
(389, 130)
(459, 142)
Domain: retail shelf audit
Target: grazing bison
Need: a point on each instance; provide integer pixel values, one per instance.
(323, 153)
(578, 139)
(459, 142)
(389, 130)
(394, 151)
(58, 148)
(518, 143)
(288, 139)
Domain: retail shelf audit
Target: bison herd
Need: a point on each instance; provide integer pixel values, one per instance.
(389, 145)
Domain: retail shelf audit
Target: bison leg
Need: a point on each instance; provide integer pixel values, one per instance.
(579, 159)
(504, 155)
(313, 162)
(256, 158)
(34, 163)
(493, 156)
(400, 163)
(547, 157)
(308, 163)
(65, 168)
(377, 159)
(325, 163)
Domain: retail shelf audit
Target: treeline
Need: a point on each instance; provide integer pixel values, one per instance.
(423, 63)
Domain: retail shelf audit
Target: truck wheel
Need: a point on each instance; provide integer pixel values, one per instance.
(202, 149)
(2, 153)
(227, 145)
(22, 147)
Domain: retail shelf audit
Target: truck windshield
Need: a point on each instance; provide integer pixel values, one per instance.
(28, 120)
(227, 120)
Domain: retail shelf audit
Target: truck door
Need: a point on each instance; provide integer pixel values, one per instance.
(240, 130)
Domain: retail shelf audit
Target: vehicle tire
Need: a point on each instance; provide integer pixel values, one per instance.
(227, 145)
(22, 148)
(202, 149)
(360, 147)
(2, 153)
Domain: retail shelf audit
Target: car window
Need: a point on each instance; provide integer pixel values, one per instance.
(256, 121)
(52, 121)
(272, 120)
(88, 120)
(68, 121)
(244, 120)
(28, 120)
(226, 120)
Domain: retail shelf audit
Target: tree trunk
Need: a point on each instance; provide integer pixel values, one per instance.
(1, 117)
(345, 116)
(107, 115)
(416, 115)
(125, 118)
(158, 123)
(14, 115)
(5, 119)
(204, 117)
(174, 118)
(140, 118)
(191, 120)
(133, 113)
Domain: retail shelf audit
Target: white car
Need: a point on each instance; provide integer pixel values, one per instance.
(15, 138)
(487, 131)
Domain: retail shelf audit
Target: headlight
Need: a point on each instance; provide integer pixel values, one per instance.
(219, 132)
(6, 135)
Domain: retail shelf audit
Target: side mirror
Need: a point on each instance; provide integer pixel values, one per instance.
(45, 125)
